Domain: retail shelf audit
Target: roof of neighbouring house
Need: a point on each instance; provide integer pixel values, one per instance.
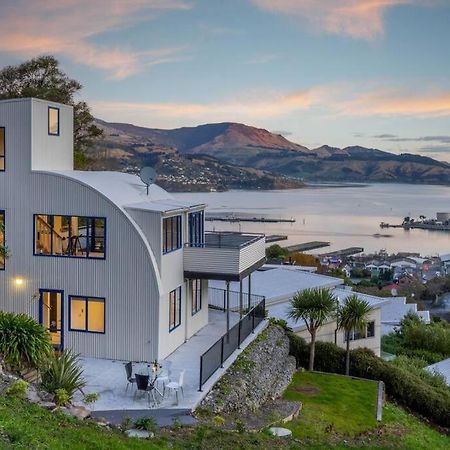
(282, 283)
(127, 190)
(445, 258)
(441, 367)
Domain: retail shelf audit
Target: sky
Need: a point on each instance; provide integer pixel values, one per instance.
(339, 72)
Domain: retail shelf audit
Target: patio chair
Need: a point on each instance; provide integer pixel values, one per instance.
(129, 370)
(165, 378)
(177, 386)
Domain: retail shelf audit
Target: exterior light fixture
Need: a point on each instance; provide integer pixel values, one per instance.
(18, 281)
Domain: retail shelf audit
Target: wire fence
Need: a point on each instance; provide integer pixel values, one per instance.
(222, 349)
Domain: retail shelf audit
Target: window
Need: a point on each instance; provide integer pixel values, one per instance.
(2, 240)
(196, 229)
(369, 332)
(87, 314)
(196, 296)
(2, 149)
(172, 234)
(53, 121)
(174, 309)
(69, 236)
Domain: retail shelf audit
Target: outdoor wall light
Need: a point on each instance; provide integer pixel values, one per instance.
(18, 281)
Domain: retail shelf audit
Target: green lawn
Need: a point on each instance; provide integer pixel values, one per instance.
(340, 412)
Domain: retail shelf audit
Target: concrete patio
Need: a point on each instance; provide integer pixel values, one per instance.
(108, 377)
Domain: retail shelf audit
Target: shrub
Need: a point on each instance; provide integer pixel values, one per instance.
(91, 398)
(62, 397)
(218, 421)
(23, 342)
(146, 423)
(63, 372)
(17, 389)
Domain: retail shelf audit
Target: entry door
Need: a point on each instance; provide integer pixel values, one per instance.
(51, 315)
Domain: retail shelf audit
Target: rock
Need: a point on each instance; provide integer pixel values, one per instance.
(261, 373)
(101, 421)
(141, 434)
(80, 412)
(280, 432)
(46, 396)
(47, 405)
(32, 395)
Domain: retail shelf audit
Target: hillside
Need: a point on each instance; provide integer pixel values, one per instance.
(231, 155)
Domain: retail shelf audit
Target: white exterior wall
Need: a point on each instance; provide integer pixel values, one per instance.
(326, 333)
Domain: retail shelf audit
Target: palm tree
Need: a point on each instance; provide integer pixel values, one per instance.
(352, 315)
(314, 306)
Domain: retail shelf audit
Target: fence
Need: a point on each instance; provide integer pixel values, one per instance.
(221, 350)
(217, 299)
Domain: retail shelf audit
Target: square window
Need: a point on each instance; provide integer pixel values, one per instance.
(87, 314)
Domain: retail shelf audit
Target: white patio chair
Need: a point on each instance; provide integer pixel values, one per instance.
(177, 386)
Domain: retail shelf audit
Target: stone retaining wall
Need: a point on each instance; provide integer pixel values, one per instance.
(260, 373)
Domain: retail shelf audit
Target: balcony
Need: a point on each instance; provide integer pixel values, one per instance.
(225, 256)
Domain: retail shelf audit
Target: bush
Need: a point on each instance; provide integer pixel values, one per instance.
(23, 342)
(62, 397)
(146, 423)
(18, 389)
(63, 372)
(91, 398)
(276, 252)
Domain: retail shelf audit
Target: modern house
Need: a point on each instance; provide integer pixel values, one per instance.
(112, 269)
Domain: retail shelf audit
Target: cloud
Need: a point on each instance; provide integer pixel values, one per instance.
(283, 132)
(66, 27)
(361, 19)
(441, 139)
(263, 58)
(435, 149)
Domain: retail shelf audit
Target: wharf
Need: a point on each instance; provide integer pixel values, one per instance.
(344, 252)
(233, 218)
(275, 238)
(307, 246)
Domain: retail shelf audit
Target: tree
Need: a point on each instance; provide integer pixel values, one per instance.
(4, 253)
(353, 315)
(42, 78)
(314, 307)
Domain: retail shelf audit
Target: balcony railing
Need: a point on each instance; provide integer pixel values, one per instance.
(224, 256)
(217, 299)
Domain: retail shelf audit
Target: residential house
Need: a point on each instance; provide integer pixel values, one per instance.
(111, 267)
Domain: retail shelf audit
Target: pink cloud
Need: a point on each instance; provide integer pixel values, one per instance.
(362, 19)
(65, 27)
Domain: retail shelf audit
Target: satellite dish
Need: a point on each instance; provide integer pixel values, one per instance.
(148, 176)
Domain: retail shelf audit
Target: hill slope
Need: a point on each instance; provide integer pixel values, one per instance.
(261, 159)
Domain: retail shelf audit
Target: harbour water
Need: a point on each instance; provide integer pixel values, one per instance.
(346, 216)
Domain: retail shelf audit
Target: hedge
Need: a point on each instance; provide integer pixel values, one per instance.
(406, 388)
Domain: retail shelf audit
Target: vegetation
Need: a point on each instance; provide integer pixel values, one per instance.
(414, 338)
(339, 412)
(402, 384)
(276, 252)
(42, 78)
(23, 342)
(62, 371)
(17, 389)
(4, 252)
(314, 307)
(352, 316)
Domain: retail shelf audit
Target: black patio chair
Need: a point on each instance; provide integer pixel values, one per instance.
(129, 370)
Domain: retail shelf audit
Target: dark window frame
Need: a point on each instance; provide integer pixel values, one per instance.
(86, 299)
(4, 150)
(89, 237)
(175, 225)
(175, 296)
(3, 216)
(196, 292)
(196, 226)
(356, 336)
(54, 108)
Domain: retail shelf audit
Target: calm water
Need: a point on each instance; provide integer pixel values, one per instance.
(344, 216)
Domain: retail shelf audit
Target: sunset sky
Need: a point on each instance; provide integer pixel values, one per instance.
(338, 72)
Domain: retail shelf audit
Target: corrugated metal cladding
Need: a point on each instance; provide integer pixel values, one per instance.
(126, 278)
(211, 260)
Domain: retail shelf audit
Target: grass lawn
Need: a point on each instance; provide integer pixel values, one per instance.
(340, 412)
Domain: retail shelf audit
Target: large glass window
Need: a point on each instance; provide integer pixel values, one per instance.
(2, 240)
(369, 332)
(196, 229)
(53, 121)
(196, 296)
(174, 308)
(2, 149)
(71, 236)
(87, 314)
(172, 234)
